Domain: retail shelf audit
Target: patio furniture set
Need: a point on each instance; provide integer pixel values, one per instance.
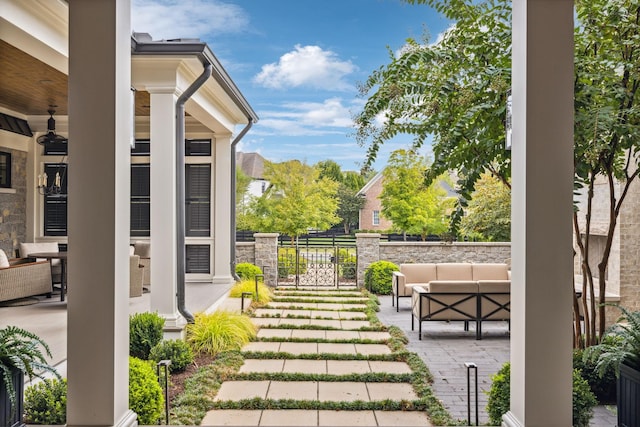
(467, 292)
(43, 265)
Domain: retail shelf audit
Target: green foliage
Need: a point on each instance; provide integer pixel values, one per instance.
(378, 276)
(264, 293)
(178, 351)
(23, 350)
(621, 345)
(145, 394)
(145, 331)
(488, 215)
(220, 331)
(412, 206)
(603, 387)
(347, 263)
(46, 402)
(287, 262)
(246, 270)
(296, 200)
(499, 397)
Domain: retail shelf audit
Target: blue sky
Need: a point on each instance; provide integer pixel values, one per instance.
(298, 63)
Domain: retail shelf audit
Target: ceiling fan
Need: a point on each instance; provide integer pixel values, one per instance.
(51, 137)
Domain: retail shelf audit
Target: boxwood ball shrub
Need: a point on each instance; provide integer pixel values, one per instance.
(378, 276)
(145, 331)
(178, 351)
(498, 403)
(247, 271)
(220, 331)
(347, 263)
(264, 292)
(46, 402)
(145, 394)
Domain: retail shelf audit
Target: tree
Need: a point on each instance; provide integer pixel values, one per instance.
(407, 201)
(488, 216)
(607, 135)
(350, 182)
(242, 186)
(295, 201)
(454, 90)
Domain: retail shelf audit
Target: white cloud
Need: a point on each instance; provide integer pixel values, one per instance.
(306, 119)
(307, 66)
(167, 19)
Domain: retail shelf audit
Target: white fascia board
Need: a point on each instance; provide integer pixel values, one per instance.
(39, 28)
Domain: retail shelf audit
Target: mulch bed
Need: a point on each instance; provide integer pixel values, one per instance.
(176, 385)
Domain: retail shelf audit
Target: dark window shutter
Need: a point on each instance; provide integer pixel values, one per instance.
(55, 205)
(140, 200)
(198, 259)
(198, 200)
(142, 147)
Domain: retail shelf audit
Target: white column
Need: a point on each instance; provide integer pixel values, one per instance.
(222, 211)
(542, 186)
(98, 216)
(163, 205)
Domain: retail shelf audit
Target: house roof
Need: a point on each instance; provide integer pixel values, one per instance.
(368, 185)
(252, 164)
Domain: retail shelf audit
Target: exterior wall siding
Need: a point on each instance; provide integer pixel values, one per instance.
(373, 203)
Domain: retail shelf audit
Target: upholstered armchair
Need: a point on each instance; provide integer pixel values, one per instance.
(25, 249)
(21, 279)
(143, 250)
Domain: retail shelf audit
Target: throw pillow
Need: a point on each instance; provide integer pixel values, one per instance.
(4, 261)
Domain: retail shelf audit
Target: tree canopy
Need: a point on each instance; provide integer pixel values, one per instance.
(295, 201)
(411, 205)
(488, 215)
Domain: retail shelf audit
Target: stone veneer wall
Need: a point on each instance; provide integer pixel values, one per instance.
(433, 252)
(246, 252)
(13, 205)
(266, 256)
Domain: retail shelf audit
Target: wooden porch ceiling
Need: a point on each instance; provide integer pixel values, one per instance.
(29, 86)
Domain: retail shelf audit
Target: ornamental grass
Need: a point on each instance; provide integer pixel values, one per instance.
(264, 293)
(220, 331)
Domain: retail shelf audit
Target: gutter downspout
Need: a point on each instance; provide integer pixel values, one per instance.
(233, 197)
(180, 192)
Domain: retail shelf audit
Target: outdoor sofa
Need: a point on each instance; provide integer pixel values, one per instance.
(25, 278)
(456, 291)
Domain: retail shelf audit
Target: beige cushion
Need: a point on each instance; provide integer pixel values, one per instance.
(418, 273)
(143, 249)
(490, 271)
(463, 306)
(4, 261)
(454, 271)
(131, 250)
(29, 248)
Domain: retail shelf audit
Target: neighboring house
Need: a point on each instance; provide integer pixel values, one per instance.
(252, 164)
(370, 217)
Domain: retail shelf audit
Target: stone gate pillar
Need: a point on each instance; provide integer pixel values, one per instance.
(267, 256)
(368, 245)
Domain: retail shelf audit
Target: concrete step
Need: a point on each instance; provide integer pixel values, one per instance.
(304, 418)
(316, 305)
(341, 324)
(331, 367)
(286, 334)
(311, 314)
(317, 348)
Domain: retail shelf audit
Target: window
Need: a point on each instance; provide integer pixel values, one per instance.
(376, 217)
(142, 147)
(55, 205)
(198, 259)
(5, 170)
(140, 200)
(198, 199)
(197, 147)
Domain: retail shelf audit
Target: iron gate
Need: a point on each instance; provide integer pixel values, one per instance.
(317, 266)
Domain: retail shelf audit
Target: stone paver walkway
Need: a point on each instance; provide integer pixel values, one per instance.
(335, 346)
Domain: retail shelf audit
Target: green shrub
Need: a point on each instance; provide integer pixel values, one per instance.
(247, 271)
(264, 293)
(220, 331)
(604, 387)
(46, 402)
(499, 399)
(177, 351)
(145, 331)
(378, 276)
(145, 393)
(287, 263)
